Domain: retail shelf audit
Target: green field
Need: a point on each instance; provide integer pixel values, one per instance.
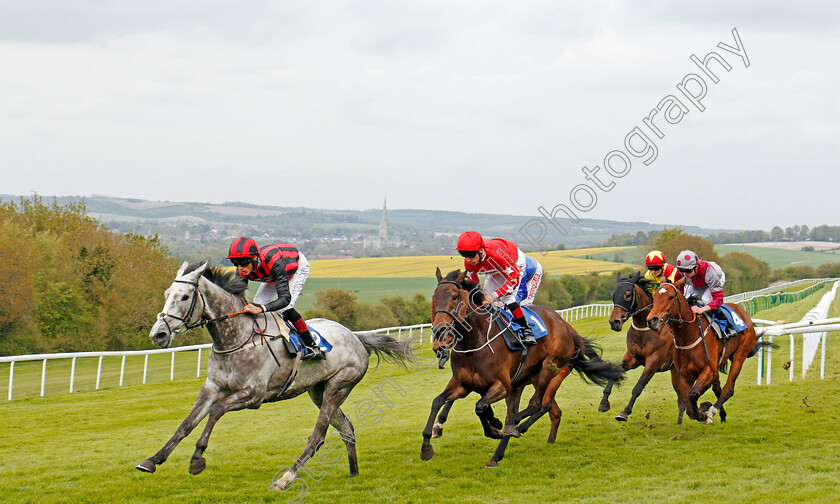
(780, 258)
(780, 443)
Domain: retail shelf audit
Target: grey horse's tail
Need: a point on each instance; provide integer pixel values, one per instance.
(387, 348)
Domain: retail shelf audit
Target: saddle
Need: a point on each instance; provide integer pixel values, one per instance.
(725, 322)
(274, 326)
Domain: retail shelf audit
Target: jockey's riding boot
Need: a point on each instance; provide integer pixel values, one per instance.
(306, 338)
(527, 335)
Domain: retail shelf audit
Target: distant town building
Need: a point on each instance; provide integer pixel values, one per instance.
(382, 240)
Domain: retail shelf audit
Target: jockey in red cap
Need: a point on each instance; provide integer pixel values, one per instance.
(282, 269)
(510, 275)
(659, 271)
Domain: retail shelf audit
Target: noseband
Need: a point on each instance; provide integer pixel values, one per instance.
(678, 305)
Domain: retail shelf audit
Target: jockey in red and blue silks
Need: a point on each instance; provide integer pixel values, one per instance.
(283, 270)
(702, 278)
(510, 276)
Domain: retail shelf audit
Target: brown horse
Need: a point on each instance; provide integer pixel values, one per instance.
(645, 347)
(699, 354)
(482, 363)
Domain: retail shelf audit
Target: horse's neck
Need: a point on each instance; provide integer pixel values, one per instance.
(218, 302)
(686, 332)
(643, 304)
(477, 330)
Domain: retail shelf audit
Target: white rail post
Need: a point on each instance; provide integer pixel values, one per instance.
(72, 374)
(145, 368)
(822, 357)
(172, 368)
(198, 366)
(792, 342)
(760, 361)
(769, 361)
(43, 376)
(122, 371)
(11, 378)
(98, 372)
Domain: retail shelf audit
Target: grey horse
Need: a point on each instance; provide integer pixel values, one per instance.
(246, 370)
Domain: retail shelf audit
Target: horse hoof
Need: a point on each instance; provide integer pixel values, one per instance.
(197, 466)
(491, 464)
(511, 430)
(604, 406)
(146, 466)
(427, 452)
(280, 484)
(709, 421)
(437, 431)
(495, 434)
(621, 417)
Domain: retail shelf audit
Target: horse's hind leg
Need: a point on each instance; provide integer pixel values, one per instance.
(236, 401)
(555, 413)
(333, 397)
(207, 396)
(628, 362)
(344, 426)
(548, 403)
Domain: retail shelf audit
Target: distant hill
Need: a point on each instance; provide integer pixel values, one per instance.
(195, 230)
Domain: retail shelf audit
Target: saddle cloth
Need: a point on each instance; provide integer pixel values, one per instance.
(727, 322)
(508, 326)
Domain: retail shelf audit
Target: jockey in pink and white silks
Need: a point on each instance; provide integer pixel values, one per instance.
(509, 275)
(702, 278)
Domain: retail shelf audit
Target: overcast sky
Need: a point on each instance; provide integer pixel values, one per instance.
(471, 106)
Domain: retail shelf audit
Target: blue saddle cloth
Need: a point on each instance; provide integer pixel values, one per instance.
(319, 340)
(727, 317)
(534, 321)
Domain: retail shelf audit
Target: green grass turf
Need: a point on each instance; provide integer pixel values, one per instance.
(779, 445)
(780, 258)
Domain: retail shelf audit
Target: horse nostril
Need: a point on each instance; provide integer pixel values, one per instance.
(159, 336)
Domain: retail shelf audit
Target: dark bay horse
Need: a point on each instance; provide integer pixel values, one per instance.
(645, 347)
(699, 354)
(482, 363)
(245, 370)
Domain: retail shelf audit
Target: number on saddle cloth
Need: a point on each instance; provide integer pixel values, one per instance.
(534, 321)
(728, 318)
(297, 344)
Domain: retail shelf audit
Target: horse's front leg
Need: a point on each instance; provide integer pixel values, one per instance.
(437, 429)
(707, 376)
(513, 400)
(681, 388)
(244, 398)
(628, 362)
(483, 410)
(207, 396)
(651, 368)
(453, 391)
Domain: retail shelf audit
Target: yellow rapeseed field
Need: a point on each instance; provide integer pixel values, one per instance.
(556, 262)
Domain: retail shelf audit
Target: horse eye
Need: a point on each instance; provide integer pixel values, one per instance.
(184, 297)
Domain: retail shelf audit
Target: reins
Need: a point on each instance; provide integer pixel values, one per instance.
(700, 339)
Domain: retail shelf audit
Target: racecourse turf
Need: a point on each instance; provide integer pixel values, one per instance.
(780, 443)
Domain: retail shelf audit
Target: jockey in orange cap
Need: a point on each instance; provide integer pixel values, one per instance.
(510, 275)
(659, 271)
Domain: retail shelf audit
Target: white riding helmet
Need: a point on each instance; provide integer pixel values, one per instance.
(687, 260)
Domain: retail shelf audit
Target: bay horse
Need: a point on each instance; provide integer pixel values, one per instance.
(699, 354)
(645, 347)
(482, 363)
(245, 369)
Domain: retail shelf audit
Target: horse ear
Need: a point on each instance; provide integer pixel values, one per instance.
(438, 275)
(617, 277)
(635, 277)
(680, 282)
(182, 268)
(461, 276)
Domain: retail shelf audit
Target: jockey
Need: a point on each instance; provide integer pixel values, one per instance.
(510, 275)
(659, 271)
(282, 269)
(702, 278)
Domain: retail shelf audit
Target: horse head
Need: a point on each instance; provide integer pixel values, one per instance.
(451, 304)
(625, 300)
(181, 310)
(668, 304)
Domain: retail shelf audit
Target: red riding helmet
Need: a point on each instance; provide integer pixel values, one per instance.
(243, 247)
(470, 241)
(655, 258)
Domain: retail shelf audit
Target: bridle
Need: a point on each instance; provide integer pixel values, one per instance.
(670, 317)
(629, 312)
(185, 320)
(678, 306)
(439, 336)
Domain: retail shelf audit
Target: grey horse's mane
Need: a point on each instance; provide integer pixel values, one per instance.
(226, 278)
